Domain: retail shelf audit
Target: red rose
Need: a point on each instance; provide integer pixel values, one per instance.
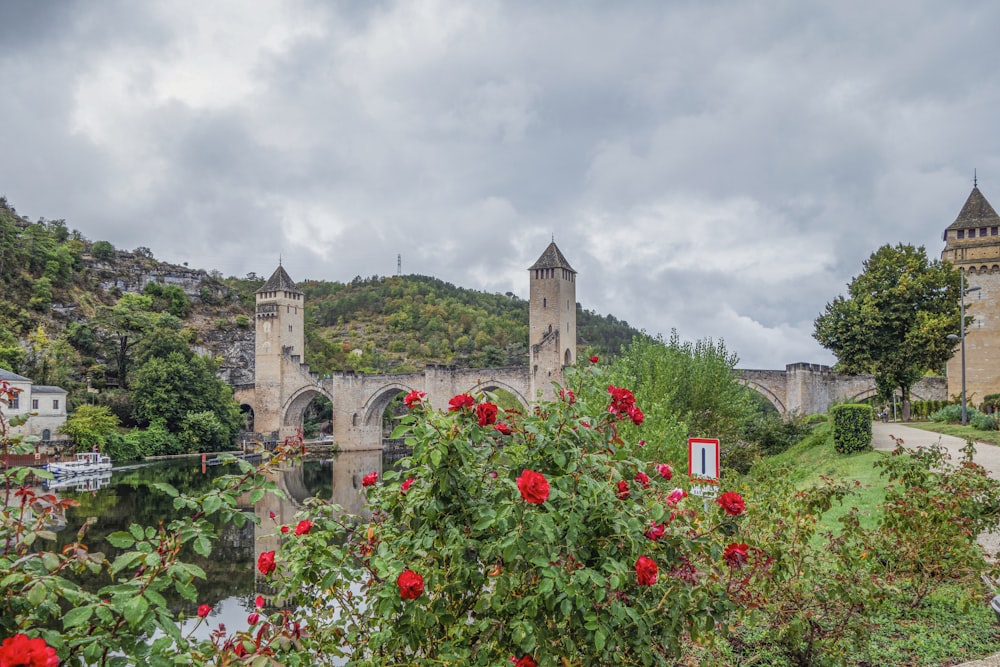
(411, 585)
(621, 401)
(525, 661)
(413, 398)
(675, 497)
(533, 486)
(635, 414)
(732, 503)
(204, 610)
(486, 413)
(369, 479)
(271, 515)
(20, 651)
(643, 479)
(304, 527)
(655, 530)
(405, 486)
(240, 650)
(265, 563)
(460, 402)
(567, 395)
(645, 569)
(665, 471)
(259, 601)
(594, 359)
(503, 428)
(284, 529)
(253, 618)
(736, 555)
(622, 490)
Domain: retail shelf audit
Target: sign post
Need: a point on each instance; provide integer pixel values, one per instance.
(703, 466)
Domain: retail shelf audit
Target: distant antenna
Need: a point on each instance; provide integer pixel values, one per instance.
(399, 265)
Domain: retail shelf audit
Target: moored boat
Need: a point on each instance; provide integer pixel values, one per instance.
(84, 464)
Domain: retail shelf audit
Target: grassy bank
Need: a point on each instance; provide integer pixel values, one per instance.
(953, 625)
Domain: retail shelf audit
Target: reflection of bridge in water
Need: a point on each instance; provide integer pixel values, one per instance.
(347, 470)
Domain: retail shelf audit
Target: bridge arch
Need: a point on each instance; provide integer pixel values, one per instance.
(494, 384)
(294, 408)
(768, 394)
(373, 409)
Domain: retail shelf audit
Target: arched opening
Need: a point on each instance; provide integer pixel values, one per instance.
(311, 411)
(768, 395)
(568, 358)
(46, 434)
(247, 412)
(382, 414)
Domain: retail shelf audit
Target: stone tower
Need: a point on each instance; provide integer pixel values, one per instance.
(972, 244)
(280, 340)
(552, 320)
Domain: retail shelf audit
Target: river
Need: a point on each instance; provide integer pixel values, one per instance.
(129, 496)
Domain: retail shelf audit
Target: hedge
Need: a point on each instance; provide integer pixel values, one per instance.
(852, 427)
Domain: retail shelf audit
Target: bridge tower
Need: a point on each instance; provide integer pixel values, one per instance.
(972, 244)
(280, 341)
(552, 320)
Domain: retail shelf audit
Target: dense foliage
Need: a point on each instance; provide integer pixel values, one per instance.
(852, 427)
(895, 321)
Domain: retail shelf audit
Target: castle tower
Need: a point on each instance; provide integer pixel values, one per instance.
(972, 244)
(552, 320)
(280, 340)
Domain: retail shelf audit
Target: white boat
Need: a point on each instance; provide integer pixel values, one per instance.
(84, 464)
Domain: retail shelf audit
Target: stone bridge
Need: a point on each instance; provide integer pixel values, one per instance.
(359, 400)
(809, 388)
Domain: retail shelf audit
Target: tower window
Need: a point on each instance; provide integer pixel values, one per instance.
(34, 404)
(289, 328)
(961, 233)
(982, 231)
(545, 302)
(993, 231)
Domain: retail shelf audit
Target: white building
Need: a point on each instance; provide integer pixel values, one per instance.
(44, 406)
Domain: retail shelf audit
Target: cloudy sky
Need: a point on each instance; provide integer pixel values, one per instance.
(719, 168)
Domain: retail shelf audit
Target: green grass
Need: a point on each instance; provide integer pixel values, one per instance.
(953, 625)
(814, 457)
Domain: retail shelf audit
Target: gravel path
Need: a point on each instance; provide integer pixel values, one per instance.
(987, 455)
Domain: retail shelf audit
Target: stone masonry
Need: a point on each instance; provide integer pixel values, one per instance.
(972, 244)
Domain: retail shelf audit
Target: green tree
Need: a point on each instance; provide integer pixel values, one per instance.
(102, 250)
(686, 390)
(90, 426)
(169, 388)
(124, 325)
(894, 322)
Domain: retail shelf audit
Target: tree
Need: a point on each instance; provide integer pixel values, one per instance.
(125, 324)
(170, 388)
(895, 321)
(686, 389)
(90, 426)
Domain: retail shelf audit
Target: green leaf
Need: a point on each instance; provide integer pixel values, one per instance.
(436, 457)
(165, 488)
(135, 608)
(36, 595)
(77, 616)
(203, 546)
(124, 560)
(50, 561)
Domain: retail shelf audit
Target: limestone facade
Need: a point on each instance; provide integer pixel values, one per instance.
(972, 244)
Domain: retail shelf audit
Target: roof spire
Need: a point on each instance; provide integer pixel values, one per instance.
(975, 179)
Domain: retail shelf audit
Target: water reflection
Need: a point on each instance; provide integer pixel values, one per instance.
(129, 496)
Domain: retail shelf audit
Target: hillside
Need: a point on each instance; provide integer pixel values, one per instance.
(62, 320)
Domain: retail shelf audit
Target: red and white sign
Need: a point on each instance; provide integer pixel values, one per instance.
(703, 459)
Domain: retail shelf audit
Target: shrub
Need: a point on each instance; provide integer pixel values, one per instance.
(984, 422)
(952, 414)
(852, 427)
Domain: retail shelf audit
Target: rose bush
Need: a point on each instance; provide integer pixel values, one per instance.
(515, 544)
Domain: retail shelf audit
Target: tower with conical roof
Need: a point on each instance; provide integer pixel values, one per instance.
(972, 244)
(280, 340)
(552, 315)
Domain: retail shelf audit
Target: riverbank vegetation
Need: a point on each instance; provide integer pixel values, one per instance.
(566, 536)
